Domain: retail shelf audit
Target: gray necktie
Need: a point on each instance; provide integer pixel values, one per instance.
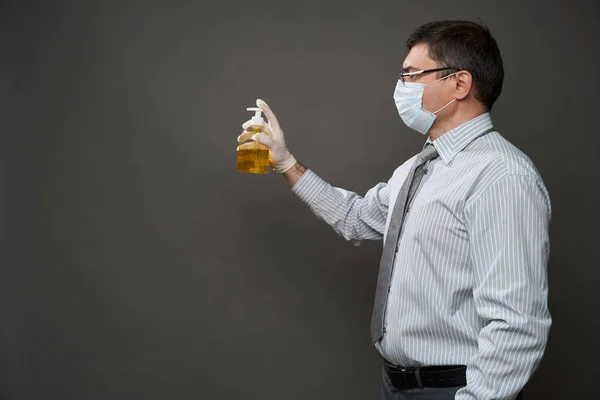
(391, 243)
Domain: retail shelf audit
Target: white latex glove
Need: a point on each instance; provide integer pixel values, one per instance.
(280, 158)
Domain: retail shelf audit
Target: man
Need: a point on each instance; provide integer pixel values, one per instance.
(461, 302)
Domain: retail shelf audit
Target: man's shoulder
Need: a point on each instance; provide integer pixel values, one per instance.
(495, 158)
(494, 154)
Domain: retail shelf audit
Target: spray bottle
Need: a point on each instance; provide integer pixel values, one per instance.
(253, 157)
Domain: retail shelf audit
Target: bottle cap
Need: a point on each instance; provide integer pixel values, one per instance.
(257, 120)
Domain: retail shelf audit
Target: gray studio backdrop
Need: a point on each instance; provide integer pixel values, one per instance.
(137, 263)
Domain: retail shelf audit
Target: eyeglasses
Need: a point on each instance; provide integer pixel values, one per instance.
(423, 71)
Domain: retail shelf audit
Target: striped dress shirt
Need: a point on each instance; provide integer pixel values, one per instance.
(469, 283)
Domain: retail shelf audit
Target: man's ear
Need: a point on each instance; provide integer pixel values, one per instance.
(464, 84)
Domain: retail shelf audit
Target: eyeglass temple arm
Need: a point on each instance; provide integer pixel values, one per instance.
(425, 70)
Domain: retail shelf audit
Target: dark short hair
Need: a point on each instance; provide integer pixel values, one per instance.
(467, 46)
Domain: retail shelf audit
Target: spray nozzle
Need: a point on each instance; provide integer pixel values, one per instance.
(257, 120)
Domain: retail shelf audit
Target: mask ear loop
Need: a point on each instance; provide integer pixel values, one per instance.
(441, 79)
(451, 101)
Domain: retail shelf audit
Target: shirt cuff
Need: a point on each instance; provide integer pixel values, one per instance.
(309, 186)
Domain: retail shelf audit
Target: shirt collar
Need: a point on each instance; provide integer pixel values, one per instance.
(455, 140)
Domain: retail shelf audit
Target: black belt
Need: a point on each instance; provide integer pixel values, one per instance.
(426, 377)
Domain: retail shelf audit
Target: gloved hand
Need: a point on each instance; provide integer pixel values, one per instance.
(272, 137)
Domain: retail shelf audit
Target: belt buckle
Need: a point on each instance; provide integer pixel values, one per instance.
(399, 380)
(404, 374)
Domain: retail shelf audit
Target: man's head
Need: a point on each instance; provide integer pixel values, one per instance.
(473, 80)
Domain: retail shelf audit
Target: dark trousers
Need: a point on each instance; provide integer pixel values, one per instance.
(388, 392)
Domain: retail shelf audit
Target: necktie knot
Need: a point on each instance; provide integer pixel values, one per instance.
(428, 153)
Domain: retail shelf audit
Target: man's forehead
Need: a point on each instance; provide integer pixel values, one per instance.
(418, 58)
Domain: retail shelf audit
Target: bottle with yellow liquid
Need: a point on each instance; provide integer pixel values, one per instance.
(253, 157)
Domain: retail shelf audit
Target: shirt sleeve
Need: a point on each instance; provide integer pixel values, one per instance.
(509, 243)
(353, 217)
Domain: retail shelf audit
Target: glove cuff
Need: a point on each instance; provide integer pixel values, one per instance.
(288, 162)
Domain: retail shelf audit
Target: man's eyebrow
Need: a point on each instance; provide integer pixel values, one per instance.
(408, 68)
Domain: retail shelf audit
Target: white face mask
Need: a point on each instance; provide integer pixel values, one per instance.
(408, 97)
